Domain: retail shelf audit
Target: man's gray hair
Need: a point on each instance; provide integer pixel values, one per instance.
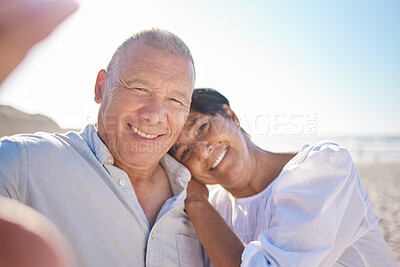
(157, 38)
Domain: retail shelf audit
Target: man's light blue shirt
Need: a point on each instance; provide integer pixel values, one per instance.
(71, 180)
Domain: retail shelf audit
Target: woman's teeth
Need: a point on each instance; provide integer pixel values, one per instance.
(142, 134)
(220, 157)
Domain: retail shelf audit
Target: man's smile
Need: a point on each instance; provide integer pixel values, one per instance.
(143, 134)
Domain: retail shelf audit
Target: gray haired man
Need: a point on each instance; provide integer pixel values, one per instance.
(111, 189)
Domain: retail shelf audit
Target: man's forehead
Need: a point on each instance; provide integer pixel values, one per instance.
(146, 53)
(147, 59)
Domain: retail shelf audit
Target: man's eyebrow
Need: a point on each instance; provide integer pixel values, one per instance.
(181, 94)
(136, 81)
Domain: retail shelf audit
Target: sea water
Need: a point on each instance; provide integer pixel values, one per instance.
(361, 148)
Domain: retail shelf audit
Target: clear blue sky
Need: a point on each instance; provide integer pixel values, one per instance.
(338, 61)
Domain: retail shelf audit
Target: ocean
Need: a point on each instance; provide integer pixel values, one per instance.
(361, 148)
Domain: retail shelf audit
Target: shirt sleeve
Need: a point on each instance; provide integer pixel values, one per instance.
(318, 211)
(12, 169)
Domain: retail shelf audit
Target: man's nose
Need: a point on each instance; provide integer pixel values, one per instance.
(154, 112)
(204, 149)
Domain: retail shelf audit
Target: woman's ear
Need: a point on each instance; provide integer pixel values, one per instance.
(99, 87)
(231, 114)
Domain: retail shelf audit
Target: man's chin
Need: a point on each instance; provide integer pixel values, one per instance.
(137, 155)
(143, 159)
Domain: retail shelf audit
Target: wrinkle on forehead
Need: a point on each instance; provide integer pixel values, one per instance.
(157, 68)
(158, 60)
(136, 75)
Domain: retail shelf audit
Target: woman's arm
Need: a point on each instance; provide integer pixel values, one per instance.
(223, 247)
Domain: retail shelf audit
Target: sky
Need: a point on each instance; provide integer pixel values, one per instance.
(287, 67)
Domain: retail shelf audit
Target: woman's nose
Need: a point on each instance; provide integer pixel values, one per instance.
(204, 149)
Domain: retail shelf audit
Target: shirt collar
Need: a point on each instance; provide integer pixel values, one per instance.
(178, 174)
(99, 149)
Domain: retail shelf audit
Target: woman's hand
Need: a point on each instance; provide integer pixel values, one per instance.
(196, 192)
(223, 247)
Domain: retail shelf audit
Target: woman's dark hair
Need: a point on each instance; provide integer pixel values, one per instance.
(208, 101)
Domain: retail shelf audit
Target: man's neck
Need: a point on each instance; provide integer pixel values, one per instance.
(138, 173)
(152, 189)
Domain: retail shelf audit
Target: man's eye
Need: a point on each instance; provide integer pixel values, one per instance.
(139, 90)
(176, 101)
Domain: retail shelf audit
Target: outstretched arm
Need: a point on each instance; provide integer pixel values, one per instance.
(223, 247)
(23, 23)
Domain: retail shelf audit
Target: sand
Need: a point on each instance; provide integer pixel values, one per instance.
(382, 182)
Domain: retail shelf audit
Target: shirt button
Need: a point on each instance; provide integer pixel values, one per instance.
(152, 236)
(122, 182)
(110, 161)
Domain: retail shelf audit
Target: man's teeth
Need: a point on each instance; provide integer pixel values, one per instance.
(220, 157)
(142, 134)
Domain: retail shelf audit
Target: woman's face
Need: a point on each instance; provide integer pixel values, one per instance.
(213, 148)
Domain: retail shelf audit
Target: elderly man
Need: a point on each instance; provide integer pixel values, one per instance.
(111, 189)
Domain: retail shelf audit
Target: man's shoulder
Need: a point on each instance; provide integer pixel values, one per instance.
(27, 138)
(39, 141)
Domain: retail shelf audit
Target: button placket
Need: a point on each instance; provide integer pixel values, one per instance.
(118, 175)
(110, 161)
(122, 182)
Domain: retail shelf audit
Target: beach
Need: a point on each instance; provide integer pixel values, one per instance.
(382, 182)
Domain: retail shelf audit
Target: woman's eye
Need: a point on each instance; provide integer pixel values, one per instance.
(202, 128)
(185, 154)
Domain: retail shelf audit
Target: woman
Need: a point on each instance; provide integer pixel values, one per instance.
(274, 209)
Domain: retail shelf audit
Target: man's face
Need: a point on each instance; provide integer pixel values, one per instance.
(144, 105)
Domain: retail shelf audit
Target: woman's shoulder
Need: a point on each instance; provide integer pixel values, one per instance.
(323, 154)
(318, 164)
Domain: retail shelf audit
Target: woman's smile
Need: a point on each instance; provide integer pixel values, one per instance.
(217, 162)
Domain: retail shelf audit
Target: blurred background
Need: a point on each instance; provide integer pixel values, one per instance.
(295, 73)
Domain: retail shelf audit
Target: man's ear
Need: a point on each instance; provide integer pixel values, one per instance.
(99, 87)
(231, 114)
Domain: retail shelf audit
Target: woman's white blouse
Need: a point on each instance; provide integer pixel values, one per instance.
(315, 213)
